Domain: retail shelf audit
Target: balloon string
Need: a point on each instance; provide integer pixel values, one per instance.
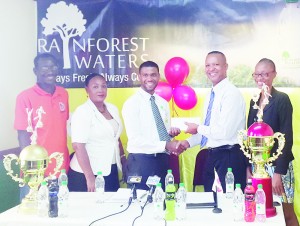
(173, 108)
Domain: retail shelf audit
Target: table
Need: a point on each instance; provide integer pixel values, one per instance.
(83, 210)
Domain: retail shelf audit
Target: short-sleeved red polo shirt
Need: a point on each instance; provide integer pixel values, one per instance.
(53, 135)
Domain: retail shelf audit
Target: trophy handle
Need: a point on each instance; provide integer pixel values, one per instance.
(241, 139)
(7, 165)
(59, 158)
(281, 141)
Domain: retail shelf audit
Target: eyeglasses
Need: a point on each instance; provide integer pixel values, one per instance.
(263, 75)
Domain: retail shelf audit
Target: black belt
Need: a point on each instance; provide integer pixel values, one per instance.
(149, 155)
(223, 147)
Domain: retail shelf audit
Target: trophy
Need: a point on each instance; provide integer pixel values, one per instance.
(256, 144)
(33, 161)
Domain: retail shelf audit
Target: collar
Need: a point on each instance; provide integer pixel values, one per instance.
(146, 95)
(220, 86)
(42, 92)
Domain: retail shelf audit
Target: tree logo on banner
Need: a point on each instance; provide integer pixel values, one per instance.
(68, 21)
(176, 72)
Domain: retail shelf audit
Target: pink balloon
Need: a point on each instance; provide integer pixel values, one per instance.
(164, 90)
(176, 71)
(184, 97)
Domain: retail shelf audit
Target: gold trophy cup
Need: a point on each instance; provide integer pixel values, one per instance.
(33, 161)
(256, 144)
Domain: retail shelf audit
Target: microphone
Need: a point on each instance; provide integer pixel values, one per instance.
(133, 180)
(151, 182)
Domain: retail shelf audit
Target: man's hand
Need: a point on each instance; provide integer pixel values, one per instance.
(277, 186)
(183, 144)
(171, 146)
(174, 131)
(191, 128)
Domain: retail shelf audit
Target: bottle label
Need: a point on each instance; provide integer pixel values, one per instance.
(260, 209)
(170, 195)
(249, 197)
(229, 188)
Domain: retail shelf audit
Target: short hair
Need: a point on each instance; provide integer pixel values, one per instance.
(44, 56)
(90, 76)
(217, 52)
(268, 61)
(149, 64)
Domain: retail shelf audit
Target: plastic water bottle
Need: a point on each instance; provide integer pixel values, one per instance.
(260, 199)
(63, 199)
(181, 202)
(158, 202)
(99, 186)
(238, 203)
(43, 201)
(249, 214)
(229, 180)
(169, 178)
(53, 199)
(62, 177)
(170, 213)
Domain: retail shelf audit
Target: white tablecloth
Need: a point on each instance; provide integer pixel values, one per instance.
(83, 210)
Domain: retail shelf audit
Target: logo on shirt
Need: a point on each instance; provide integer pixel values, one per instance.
(62, 106)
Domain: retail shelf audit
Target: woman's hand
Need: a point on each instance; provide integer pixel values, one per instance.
(90, 182)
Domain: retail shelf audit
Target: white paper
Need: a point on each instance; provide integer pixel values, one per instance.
(179, 122)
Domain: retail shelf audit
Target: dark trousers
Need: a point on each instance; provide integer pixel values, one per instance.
(146, 165)
(77, 181)
(221, 158)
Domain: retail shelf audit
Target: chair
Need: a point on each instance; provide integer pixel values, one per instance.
(174, 166)
(199, 168)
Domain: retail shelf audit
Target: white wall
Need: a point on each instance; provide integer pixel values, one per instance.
(17, 50)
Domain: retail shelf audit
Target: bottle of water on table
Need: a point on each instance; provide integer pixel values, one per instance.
(229, 180)
(260, 200)
(158, 202)
(238, 203)
(99, 186)
(181, 202)
(43, 201)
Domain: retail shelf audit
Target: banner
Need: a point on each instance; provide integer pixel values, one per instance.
(114, 37)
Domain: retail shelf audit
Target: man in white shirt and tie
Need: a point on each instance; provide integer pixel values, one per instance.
(224, 110)
(148, 126)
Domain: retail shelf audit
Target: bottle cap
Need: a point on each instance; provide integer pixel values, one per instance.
(237, 185)
(64, 183)
(169, 171)
(158, 185)
(63, 171)
(99, 173)
(229, 169)
(181, 184)
(260, 186)
(44, 183)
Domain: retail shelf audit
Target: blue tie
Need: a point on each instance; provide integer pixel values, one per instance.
(207, 118)
(162, 131)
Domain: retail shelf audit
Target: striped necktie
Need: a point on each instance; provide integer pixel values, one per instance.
(208, 116)
(162, 131)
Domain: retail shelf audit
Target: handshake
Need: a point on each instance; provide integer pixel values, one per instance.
(176, 147)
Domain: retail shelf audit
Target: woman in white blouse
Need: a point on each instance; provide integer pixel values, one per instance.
(95, 130)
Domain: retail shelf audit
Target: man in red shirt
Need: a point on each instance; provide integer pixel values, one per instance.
(54, 101)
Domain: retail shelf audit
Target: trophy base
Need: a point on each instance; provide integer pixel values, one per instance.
(267, 187)
(28, 207)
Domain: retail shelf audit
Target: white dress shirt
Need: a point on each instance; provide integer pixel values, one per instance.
(140, 123)
(227, 118)
(90, 127)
